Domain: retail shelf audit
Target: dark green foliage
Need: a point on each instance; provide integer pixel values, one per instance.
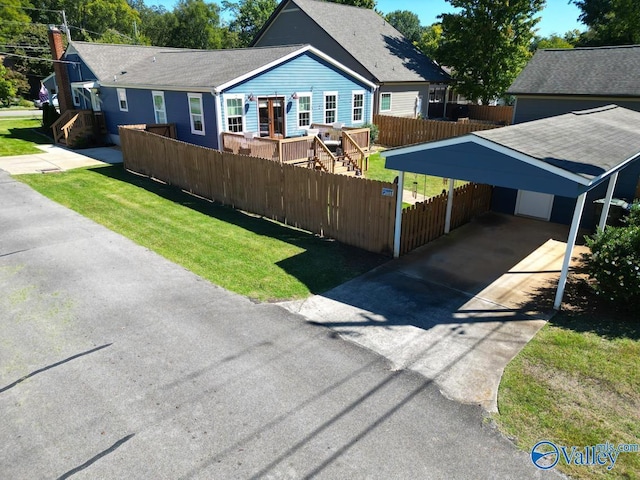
(49, 115)
(615, 263)
(610, 22)
(373, 132)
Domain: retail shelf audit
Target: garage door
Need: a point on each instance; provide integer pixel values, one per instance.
(534, 204)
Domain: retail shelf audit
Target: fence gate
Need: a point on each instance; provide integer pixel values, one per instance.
(425, 221)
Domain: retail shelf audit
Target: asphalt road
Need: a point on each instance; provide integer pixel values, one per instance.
(6, 113)
(115, 363)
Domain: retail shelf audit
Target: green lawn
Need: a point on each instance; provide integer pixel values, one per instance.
(18, 136)
(258, 258)
(422, 184)
(577, 383)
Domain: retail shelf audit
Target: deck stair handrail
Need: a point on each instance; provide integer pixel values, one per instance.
(323, 158)
(355, 155)
(73, 125)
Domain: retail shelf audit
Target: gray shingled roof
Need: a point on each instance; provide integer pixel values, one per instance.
(368, 38)
(174, 67)
(602, 71)
(586, 143)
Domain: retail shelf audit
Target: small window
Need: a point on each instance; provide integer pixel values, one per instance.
(235, 114)
(159, 108)
(75, 93)
(122, 100)
(195, 112)
(330, 107)
(358, 107)
(385, 102)
(304, 110)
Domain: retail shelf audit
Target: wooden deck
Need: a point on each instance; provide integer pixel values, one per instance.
(79, 128)
(343, 151)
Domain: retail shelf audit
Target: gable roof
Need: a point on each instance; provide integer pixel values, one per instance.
(601, 71)
(369, 39)
(177, 68)
(564, 155)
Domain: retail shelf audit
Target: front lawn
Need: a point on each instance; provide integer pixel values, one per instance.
(577, 383)
(18, 136)
(258, 258)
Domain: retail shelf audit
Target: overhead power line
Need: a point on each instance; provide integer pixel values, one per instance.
(24, 47)
(38, 58)
(29, 8)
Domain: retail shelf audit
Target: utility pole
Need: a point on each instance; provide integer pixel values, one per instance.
(66, 27)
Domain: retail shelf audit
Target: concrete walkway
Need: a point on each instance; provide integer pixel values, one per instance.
(55, 159)
(457, 310)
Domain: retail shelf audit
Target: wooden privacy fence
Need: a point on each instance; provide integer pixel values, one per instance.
(352, 210)
(492, 113)
(400, 131)
(425, 221)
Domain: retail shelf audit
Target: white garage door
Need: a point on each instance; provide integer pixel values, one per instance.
(534, 204)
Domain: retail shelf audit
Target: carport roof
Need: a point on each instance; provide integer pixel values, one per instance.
(564, 155)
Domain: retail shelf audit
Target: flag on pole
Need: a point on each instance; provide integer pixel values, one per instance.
(43, 95)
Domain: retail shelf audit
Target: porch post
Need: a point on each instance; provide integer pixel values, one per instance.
(607, 201)
(571, 241)
(218, 106)
(447, 219)
(398, 225)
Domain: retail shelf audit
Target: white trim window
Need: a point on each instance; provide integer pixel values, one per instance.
(304, 110)
(196, 114)
(385, 102)
(357, 106)
(123, 104)
(234, 109)
(75, 95)
(159, 108)
(330, 107)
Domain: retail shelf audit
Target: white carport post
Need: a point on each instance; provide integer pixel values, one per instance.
(398, 226)
(571, 241)
(447, 218)
(607, 201)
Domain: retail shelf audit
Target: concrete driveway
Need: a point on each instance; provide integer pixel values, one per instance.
(458, 309)
(116, 363)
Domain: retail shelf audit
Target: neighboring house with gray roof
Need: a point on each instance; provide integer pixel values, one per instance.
(273, 91)
(363, 41)
(558, 81)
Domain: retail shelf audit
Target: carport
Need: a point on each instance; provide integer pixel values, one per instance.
(567, 155)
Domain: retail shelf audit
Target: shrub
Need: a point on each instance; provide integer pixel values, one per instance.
(49, 115)
(373, 132)
(614, 263)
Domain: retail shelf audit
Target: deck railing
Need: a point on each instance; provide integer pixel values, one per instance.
(72, 126)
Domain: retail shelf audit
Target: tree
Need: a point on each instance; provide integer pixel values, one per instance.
(610, 22)
(7, 87)
(197, 25)
(249, 17)
(407, 23)
(487, 44)
(357, 3)
(430, 39)
(552, 41)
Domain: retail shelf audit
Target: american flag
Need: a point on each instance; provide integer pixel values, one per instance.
(43, 95)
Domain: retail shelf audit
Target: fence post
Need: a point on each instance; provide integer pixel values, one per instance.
(447, 219)
(398, 224)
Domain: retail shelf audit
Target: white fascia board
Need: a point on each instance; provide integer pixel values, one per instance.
(281, 60)
(615, 169)
(530, 160)
(470, 138)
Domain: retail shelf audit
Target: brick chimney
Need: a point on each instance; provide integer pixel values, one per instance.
(65, 100)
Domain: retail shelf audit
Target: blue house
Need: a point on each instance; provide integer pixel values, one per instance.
(273, 92)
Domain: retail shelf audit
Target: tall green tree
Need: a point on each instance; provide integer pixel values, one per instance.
(7, 87)
(249, 18)
(407, 23)
(197, 25)
(610, 22)
(429, 41)
(568, 40)
(487, 44)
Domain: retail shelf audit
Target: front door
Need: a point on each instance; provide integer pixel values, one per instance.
(534, 204)
(95, 101)
(271, 116)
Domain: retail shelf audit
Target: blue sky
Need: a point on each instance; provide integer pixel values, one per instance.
(559, 16)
